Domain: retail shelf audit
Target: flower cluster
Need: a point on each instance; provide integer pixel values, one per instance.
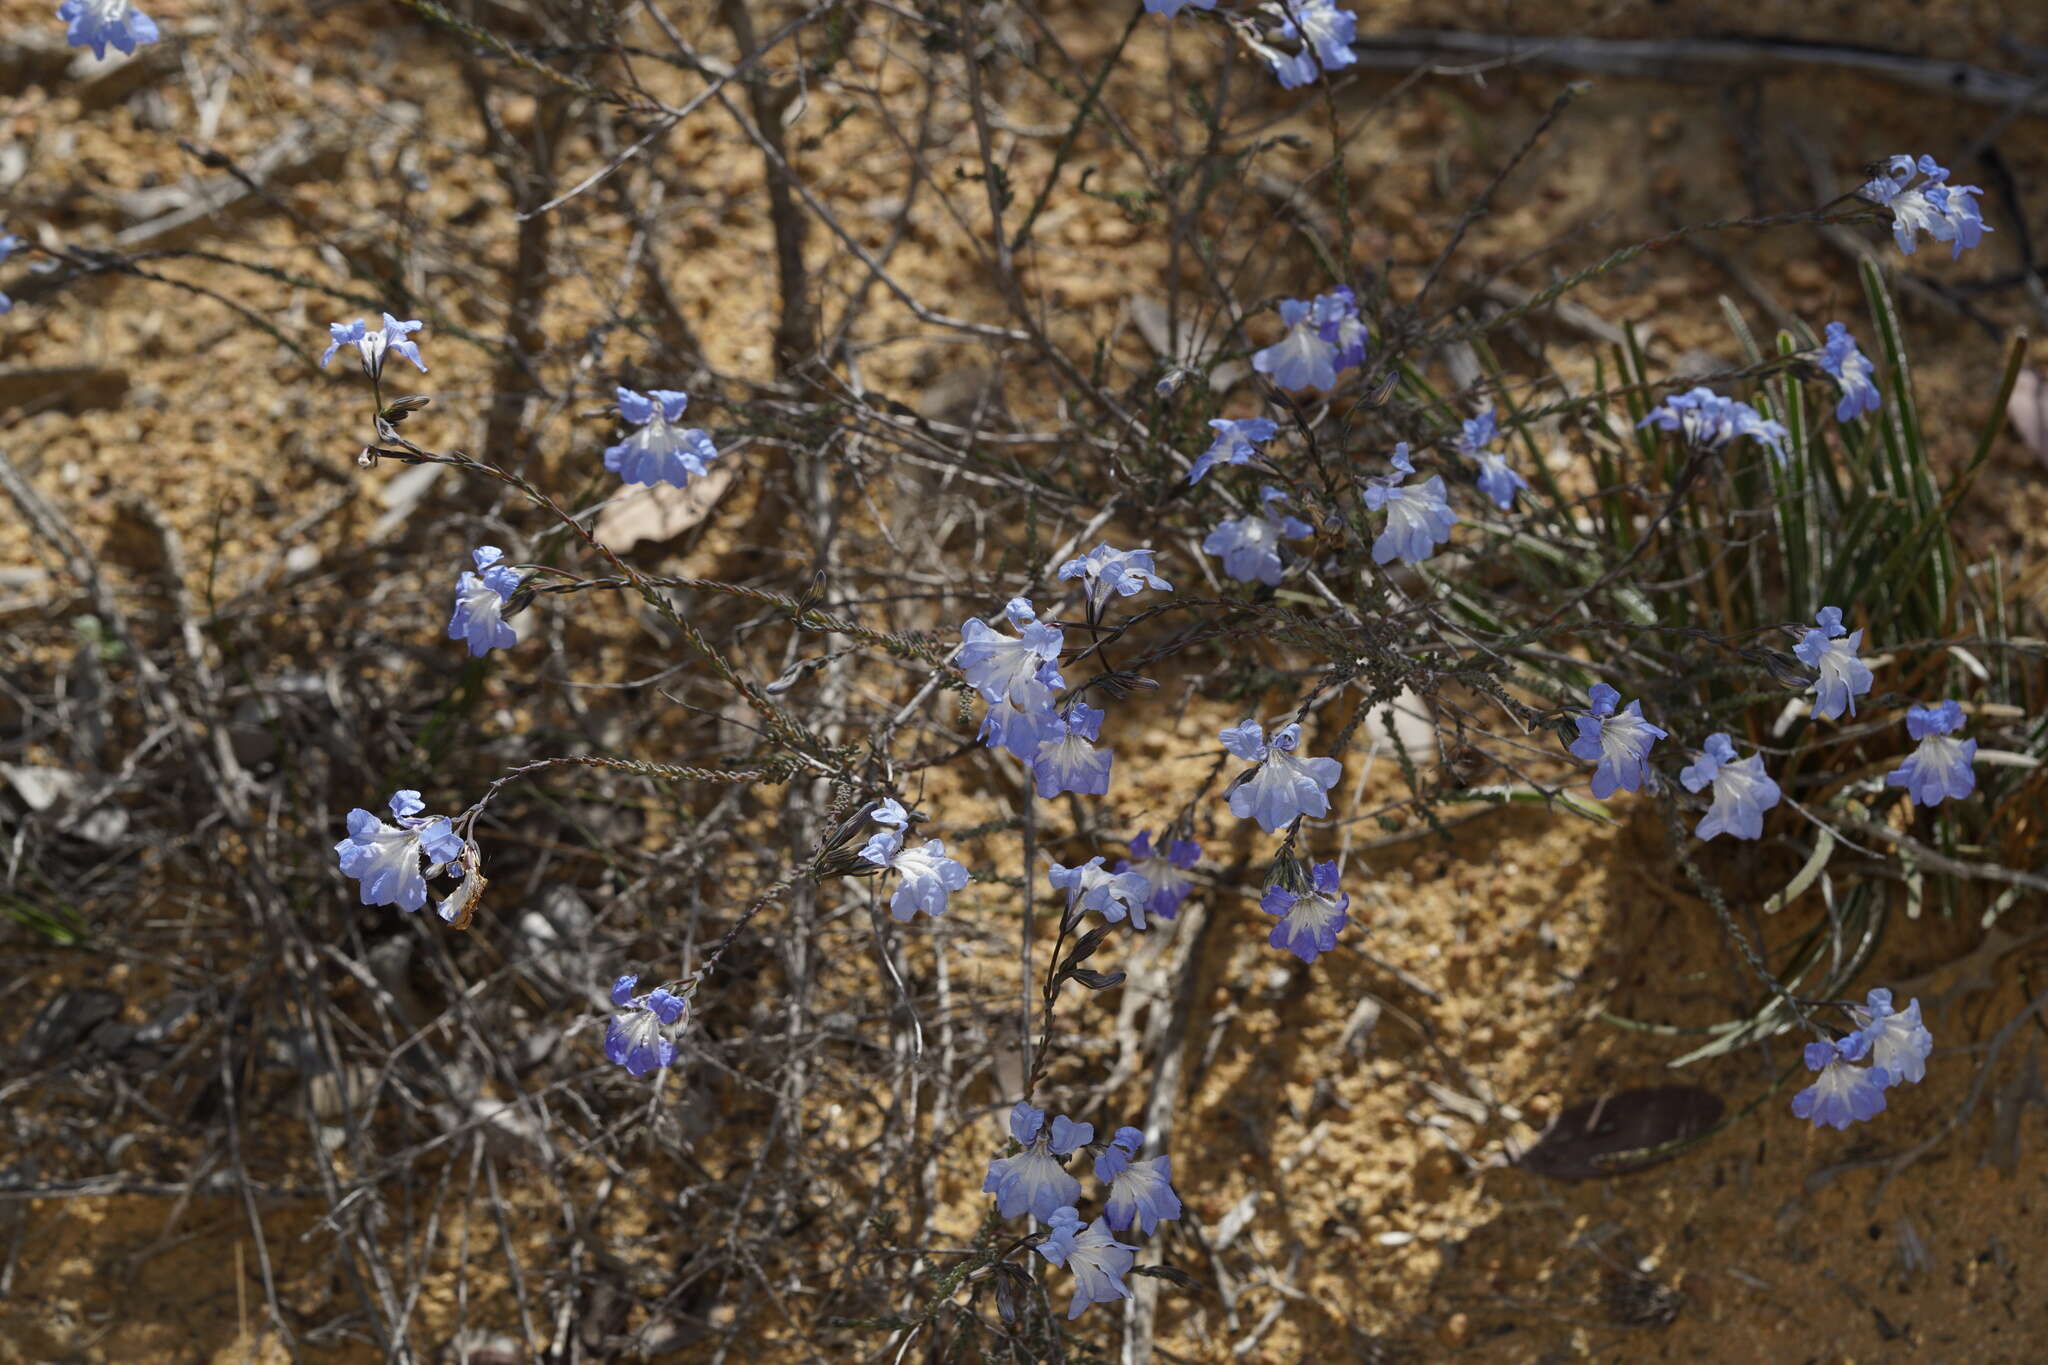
(1059, 744)
(1896, 1045)
(1034, 1181)
(641, 1037)
(1619, 742)
(1019, 675)
(1922, 200)
(100, 24)
(480, 600)
(1324, 335)
(660, 450)
(1706, 420)
(1017, 672)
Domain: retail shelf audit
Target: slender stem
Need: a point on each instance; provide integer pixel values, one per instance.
(1030, 833)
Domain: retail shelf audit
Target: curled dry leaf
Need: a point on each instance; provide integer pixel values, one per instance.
(2027, 410)
(659, 511)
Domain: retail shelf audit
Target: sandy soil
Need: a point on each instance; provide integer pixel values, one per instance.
(1352, 1125)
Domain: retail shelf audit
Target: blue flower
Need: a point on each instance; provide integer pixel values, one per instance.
(97, 24)
(1172, 8)
(660, 451)
(1250, 546)
(1705, 420)
(1325, 33)
(1032, 1181)
(1236, 443)
(1282, 787)
(1921, 200)
(1309, 920)
(1292, 69)
(1842, 676)
(1498, 481)
(1022, 728)
(1099, 1261)
(925, 875)
(1851, 370)
(1013, 668)
(480, 600)
(1067, 759)
(1326, 29)
(1618, 742)
(1742, 791)
(1107, 570)
(371, 347)
(1843, 1093)
(1165, 870)
(1139, 1191)
(640, 1038)
(1495, 479)
(1899, 1042)
(9, 244)
(386, 858)
(1338, 322)
(1940, 768)
(890, 814)
(1301, 359)
(1112, 895)
(1965, 220)
(1479, 433)
(1419, 517)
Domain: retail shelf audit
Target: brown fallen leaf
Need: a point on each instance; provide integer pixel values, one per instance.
(1620, 1133)
(660, 511)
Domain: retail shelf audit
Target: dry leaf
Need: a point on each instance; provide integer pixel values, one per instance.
(1413, 725)
(1620, 1133)
(659, 511)
(1189, 350)
(2028, 410)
